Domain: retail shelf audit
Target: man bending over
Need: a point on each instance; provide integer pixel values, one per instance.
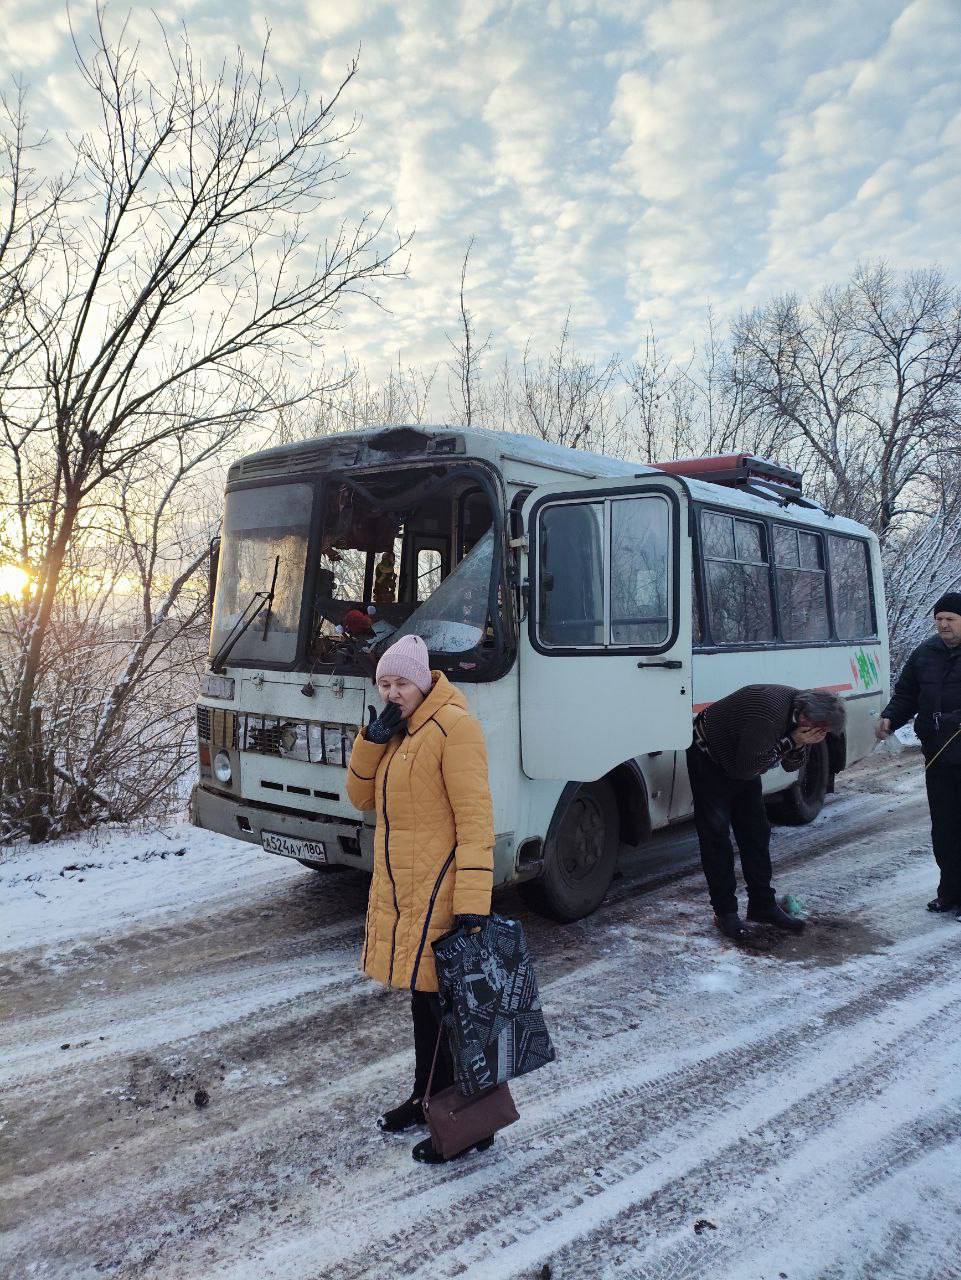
(736, 740)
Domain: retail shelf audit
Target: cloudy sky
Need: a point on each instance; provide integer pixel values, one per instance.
(633, 161)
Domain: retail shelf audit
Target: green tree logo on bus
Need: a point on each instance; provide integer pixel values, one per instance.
(865, 669)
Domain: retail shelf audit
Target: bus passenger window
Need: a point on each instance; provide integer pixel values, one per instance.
(801, 585)
(640, 570)
(851, 589)
(570, 604)
(429, 569)
(738, 586)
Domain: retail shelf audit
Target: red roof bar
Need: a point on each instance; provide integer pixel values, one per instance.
(733, 469)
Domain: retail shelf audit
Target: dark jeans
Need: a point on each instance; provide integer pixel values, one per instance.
(425, 1011)
(943, 782)
(723, 804)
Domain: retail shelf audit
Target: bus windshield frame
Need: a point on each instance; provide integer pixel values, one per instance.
(447, 525)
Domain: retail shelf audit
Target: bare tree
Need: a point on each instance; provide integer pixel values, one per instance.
(694, 406)
(652, 382)
(565, 398)
(463, 384)
(153, 316)
(860, 387)
(922, 560)
(359, 401)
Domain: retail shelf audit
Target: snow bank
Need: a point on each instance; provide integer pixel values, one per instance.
(112, 879)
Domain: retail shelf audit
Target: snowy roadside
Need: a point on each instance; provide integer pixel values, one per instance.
(113, 879)
(189, 1085)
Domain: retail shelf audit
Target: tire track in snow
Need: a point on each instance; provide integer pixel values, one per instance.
(673, 1084)
(243, 1189)
(531, 1157)
(288, 924)
(599, 1134)
(834, 1145)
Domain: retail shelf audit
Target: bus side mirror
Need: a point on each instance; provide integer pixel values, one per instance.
(213, 566)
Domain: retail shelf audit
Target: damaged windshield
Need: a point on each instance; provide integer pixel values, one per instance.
(454, 618)
(404, 554)
(386, 555)
(265, 534)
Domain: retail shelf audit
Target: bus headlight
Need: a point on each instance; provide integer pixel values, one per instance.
(222, 770)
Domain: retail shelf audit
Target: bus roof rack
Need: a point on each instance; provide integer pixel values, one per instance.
(733, 469)
(743, 471)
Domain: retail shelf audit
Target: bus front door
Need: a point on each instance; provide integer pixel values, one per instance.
(605, 647)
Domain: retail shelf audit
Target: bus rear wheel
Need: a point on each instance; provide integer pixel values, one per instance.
(580, 857)
(804, 799)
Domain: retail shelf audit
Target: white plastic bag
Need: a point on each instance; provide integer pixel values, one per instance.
(891, 745)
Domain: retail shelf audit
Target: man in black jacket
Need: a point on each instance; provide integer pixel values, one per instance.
(929, 688)
(736, 740)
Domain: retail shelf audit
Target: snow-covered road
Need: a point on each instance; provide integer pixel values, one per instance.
(191, 1064)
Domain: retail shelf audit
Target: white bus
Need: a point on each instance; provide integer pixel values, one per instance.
(587, 606)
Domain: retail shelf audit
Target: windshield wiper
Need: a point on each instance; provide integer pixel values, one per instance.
(258, 602)
(269, 602)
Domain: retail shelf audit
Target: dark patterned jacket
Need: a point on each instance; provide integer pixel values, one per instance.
(749, 731)
(929, 687)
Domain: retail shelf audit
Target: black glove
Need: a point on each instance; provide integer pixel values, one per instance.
(383, 727)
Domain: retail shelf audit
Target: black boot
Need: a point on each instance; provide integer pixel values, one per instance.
(732, 926)
(403, 1117)
(771, 913)
(424, 1152)
(940, 906)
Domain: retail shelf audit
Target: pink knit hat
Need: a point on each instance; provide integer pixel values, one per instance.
(407, 659)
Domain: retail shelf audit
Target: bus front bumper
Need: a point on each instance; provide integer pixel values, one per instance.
(346, 844)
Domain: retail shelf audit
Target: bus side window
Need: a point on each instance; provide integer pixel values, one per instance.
(851, 589)
(801, 584)
(736, 574)
(640, 570)
(570, 575)
(428, 572)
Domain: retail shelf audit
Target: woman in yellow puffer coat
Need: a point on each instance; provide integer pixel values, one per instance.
(422, 766)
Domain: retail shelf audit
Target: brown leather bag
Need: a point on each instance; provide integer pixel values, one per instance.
(456, 1122)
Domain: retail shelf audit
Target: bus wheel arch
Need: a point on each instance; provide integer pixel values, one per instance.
(634, 813)
(804, 798)
(580, 850)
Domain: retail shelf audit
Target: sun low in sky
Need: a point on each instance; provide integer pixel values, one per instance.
(13, 581)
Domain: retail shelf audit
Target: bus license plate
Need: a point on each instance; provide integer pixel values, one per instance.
(288, 847)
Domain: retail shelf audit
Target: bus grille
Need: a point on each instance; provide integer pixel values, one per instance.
(316, 743)
(217, 726)
(262, 735)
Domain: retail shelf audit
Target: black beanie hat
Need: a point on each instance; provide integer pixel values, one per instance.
(950, 602)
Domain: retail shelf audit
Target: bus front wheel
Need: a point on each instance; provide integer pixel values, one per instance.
(580, 857)
(804, 799)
